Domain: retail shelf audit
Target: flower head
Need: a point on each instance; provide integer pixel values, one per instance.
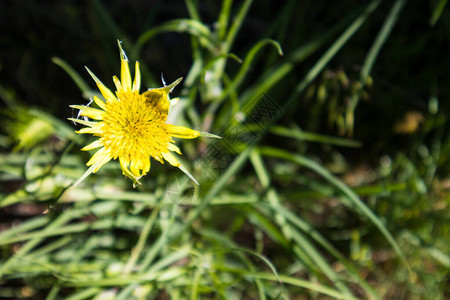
(131, 126)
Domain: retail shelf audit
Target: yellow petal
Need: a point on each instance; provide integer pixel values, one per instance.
(125, 76)
(100, 103)
(123, 163)
(174, 148)
(96, 157)
(103, 160)
(91, 130)
(126, 171)
(146, 166)
(93, 145)
(137, 78)
(158, 158)
(89, 112)
(117, 84)
(100, 158)
(171, 159)
(134, 168)
(107, 94)
(159, 97)
(182, 132)
(87, 123)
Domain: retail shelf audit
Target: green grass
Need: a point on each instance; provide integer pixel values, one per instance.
(321, 187)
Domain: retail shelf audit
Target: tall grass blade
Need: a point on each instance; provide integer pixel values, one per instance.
(301, 160)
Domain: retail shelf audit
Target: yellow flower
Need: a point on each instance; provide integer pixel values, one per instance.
(131, 126)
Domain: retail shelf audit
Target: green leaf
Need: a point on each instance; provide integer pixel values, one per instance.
(193, 27)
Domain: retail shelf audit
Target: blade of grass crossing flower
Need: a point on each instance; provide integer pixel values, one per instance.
(308, 163)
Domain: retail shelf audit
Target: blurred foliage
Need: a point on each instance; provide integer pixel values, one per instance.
(332, 176)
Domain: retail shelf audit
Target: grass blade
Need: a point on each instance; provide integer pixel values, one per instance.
(308, 163)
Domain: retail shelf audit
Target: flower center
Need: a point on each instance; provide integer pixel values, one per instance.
(133, 128)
